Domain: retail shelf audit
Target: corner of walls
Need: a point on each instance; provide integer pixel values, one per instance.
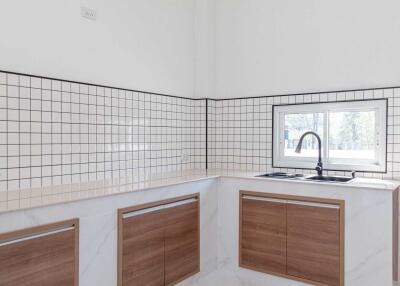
(204, 46)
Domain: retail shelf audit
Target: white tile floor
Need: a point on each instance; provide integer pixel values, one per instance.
(239, 277)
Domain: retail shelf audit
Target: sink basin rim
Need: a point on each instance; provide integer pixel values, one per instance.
(329, 179)
(309, 178)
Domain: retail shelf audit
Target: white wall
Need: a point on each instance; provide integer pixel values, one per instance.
(282, 46)
(137, 44)
(204, 48)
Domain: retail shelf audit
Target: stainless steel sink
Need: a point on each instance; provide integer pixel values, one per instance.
(279, 175)
(318, 178)
(332, 179)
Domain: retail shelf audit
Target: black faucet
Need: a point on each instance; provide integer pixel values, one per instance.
(319, 167)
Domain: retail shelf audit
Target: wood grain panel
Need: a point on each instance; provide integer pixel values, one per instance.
(159, 246)
(47, 260)
(313, 243)
(143, 249)
(263, 236)
(182, 245)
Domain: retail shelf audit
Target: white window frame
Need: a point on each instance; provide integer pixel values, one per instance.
(378, 165)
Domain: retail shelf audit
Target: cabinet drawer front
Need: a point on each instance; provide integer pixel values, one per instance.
(40, 258)
(313, 243)
(263, 235)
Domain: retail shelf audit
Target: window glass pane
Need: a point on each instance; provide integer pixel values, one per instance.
(295, 126)
(352, 135)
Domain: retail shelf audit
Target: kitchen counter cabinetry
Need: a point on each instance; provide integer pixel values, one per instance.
(295, 237)
(368, 250)
(159, 242)
(47, 255)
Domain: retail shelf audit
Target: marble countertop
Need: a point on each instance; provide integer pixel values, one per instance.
(29, 198)
(368, 183)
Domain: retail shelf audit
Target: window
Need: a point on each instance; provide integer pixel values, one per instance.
(353, 135)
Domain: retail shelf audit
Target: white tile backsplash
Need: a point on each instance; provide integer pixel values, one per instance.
(57, 132)
(240, 130)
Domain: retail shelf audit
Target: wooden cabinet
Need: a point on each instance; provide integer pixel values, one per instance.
(313, 242)
(143, 249)
(41, 256)
(294, 237)
(159, 242)
(263, 234)
(181, 242)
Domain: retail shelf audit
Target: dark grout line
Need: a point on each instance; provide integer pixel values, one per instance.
(203, 98)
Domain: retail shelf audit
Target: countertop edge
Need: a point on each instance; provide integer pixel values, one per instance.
(65, 193)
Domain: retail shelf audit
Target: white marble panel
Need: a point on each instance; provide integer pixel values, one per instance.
(368, 227)
(368, 218)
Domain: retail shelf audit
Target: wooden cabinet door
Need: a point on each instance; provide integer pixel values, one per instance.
(41, 256)
(142, 249)
(263, 234)
(158, 243)
(182, 245)
(313, 242)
